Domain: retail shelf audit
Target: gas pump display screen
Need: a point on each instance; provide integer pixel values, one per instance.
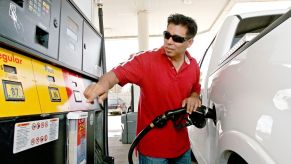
(9, 69)
(13, 91)
(51, 78)
(54, 94)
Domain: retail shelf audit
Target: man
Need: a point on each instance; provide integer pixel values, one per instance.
(168, 78)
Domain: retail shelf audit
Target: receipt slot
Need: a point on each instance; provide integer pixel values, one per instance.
(18, 94)
(77, 137)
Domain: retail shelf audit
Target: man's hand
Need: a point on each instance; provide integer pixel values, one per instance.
(192, 103)
(100, 90)
(95, 90)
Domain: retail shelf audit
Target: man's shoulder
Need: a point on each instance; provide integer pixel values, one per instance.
(149, 53)
(154, 51)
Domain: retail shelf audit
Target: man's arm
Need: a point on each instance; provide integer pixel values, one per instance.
(99, 90)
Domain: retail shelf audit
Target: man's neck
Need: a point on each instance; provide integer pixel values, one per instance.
(177, 61)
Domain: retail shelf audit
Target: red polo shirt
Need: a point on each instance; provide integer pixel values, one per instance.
(162, 88)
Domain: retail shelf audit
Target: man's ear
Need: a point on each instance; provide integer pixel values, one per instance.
(190, 42)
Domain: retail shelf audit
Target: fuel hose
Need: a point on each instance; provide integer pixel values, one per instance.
(196, 118)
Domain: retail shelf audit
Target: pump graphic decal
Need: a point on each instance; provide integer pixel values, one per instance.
(12, 13)
(75, 88)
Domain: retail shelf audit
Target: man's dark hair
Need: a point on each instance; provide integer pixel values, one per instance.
(180, 19)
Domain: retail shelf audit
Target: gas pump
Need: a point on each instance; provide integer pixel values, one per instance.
(49, 53)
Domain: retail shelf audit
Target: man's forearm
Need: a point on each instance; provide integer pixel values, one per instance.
(108, 80)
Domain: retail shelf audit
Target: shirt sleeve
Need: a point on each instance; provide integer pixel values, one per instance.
(130, 71)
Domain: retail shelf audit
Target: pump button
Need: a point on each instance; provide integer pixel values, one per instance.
(78, 96)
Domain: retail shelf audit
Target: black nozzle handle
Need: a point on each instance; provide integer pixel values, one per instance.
(174, 112)
(182, 110)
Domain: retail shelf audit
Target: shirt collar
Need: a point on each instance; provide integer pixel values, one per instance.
(188, 58)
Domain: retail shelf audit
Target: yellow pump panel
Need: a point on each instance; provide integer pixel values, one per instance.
(18, 94)
(51, 87)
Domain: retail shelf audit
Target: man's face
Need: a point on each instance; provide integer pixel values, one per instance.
(172, 48)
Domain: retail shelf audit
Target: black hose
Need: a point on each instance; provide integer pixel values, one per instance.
(161, 120)
(158, 122)
(136, 141)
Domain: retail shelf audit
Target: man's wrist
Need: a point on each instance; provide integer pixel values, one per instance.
(194, 95)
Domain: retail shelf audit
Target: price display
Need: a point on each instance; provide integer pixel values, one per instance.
(13, 91)
(54, 94)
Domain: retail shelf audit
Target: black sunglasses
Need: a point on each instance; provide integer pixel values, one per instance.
(175, 38)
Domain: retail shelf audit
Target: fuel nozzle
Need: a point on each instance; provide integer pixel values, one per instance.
(182, 119)
(198, 117)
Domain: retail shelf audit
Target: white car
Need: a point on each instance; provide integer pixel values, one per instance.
(246, 79)
(116, 106)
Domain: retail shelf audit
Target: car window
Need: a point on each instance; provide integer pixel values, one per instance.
(247, 29)
(253, 25)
